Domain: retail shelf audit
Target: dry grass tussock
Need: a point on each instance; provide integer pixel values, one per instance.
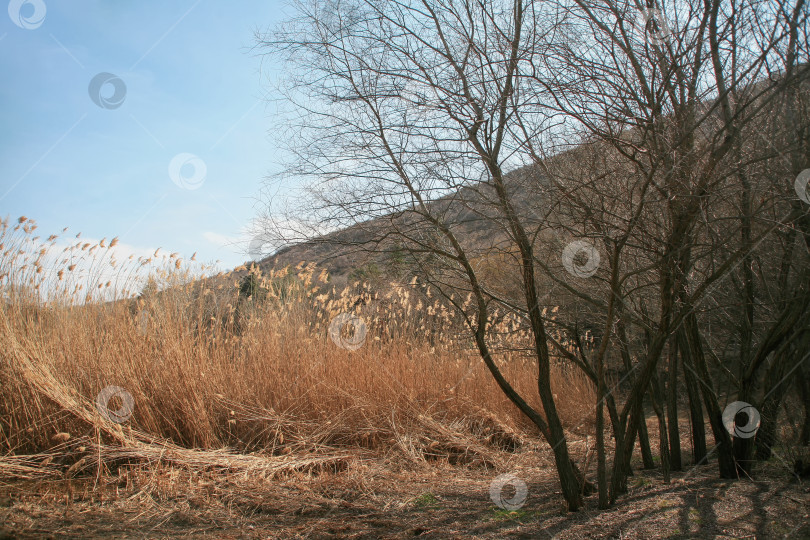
(220, 381)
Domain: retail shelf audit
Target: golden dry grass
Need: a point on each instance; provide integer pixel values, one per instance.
(227, 382)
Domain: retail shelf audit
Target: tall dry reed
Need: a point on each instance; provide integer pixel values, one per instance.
(209, 368)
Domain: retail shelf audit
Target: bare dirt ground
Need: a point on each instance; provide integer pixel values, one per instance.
(381, 499)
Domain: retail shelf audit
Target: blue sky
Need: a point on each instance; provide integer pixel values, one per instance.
(192, 87)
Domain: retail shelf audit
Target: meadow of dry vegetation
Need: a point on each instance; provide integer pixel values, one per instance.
(210, 369)
(221, 381)
(248, 400)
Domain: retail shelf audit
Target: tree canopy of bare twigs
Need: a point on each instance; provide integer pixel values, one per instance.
(637, 164)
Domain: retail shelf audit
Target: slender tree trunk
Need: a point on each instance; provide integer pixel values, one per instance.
(568, 478)
(569, 475)
(672, 262)
(672, 408)
(775, 388)
(621, 460)
(643, 436)
(695, 415)
(644, 442)
(767, 436)
(614, 420)
(743, 452)
(778, 337)
(744, 447)
(695, 407)
(662, 427)
(601, 467)
(722, 438)
(632, 413)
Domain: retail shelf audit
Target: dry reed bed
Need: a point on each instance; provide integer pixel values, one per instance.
(223, 381)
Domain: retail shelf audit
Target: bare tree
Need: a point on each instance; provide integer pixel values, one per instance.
(406, 103)
(611, 124)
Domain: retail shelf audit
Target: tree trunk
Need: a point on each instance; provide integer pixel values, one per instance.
(632, 416)
(621, 464)
(767, 436)
(775, 387)
(569, 481)
(781, 332)
(744, 455)
(572, 481)
(722, 438)
(601, 473)
(696, 418)
(663, 444)
(601, 467)
(644, 442)
(672, 408)
(643, 436)
(695, 407)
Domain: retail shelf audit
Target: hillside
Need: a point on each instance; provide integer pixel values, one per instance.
(349, 252)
